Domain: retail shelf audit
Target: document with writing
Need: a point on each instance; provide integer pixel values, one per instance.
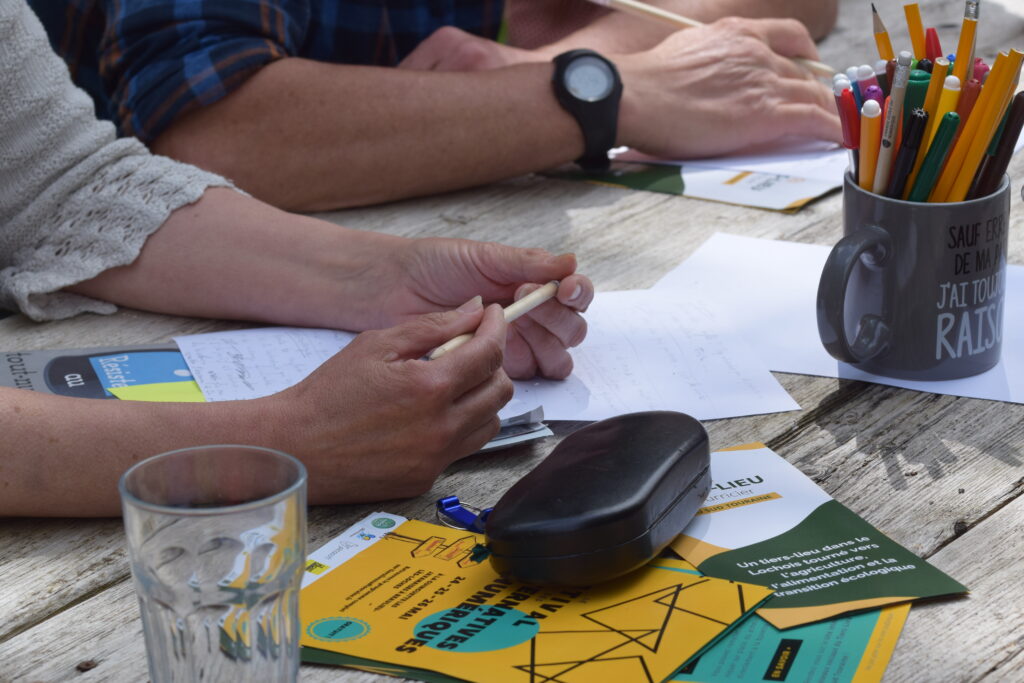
(643, 352)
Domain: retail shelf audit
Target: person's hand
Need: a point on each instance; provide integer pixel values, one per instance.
(376, 421)
(452, 49)
(417, 276)
(722, 87)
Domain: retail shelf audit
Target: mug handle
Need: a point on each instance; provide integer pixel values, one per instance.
(874, 333)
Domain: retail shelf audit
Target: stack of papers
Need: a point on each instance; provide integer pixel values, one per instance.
(423, 600)
(418, 600)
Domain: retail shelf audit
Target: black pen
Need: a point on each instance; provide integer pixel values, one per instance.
(905, 158)
(994, 167)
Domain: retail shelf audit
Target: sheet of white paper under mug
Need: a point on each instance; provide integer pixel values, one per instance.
(915, 290)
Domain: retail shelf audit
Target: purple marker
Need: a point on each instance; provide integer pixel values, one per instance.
(874, 92)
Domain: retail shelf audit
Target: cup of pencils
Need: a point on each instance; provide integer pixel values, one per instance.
(915, 288)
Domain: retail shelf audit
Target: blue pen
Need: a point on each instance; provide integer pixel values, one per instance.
(851, 75)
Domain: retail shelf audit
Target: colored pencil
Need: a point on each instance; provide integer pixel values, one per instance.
(881, 36)
(916, 29)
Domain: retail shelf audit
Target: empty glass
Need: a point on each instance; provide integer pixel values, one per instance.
(217, 541)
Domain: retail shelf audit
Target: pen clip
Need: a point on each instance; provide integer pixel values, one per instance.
(453, 513)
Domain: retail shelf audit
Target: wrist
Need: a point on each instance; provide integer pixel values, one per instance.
(630, 109)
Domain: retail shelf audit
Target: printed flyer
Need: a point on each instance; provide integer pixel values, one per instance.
(422, 600)
(765, 522)
(854, 648)
(140, 373)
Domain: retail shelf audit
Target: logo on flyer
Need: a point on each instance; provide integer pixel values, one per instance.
(383, 523)
(338, 629)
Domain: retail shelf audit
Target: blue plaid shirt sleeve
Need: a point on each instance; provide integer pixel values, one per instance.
(159, 59)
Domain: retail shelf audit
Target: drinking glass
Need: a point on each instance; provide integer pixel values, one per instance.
(217, 541)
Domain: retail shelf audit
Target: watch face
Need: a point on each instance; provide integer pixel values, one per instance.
(589, 79)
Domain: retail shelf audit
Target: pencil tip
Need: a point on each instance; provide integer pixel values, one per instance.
(873, 8)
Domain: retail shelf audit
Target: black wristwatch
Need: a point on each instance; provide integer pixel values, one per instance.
(588, 86)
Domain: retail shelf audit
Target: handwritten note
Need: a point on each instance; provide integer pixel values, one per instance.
(644, 351)
(243, 364)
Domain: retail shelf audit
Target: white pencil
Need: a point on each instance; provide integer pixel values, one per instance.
(512, 311)
(893, 116)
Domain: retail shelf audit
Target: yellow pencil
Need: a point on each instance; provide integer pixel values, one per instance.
(940, 69)
(963, 67)
(997, 80)
(987, 128)
(870, 136)
(949, 98)
(881, 36)
(916, 28)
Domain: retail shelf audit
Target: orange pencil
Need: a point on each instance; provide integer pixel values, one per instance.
(986, 128)
(916, 28)
(870, 136)
(968, 96)
(991, 98)
(963, 67)
(881, 36)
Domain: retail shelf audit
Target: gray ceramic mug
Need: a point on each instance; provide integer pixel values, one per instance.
(914, 290)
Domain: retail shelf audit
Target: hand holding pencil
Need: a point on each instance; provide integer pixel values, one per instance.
(512, 312)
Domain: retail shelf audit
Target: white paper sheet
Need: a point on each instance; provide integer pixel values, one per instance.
(764, 291)
(762, 190)
(643, 352)
(244, 364)
(646, 352)
(791, 156)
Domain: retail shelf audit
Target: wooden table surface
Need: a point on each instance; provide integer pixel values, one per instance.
(939, 474)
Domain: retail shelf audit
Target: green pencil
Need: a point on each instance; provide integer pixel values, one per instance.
(936, 157)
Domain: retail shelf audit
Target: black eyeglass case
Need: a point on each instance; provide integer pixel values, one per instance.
(606, 500)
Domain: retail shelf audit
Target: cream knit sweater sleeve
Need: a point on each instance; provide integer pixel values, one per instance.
(74, 200)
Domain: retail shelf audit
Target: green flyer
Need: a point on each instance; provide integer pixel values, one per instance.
(765, 522)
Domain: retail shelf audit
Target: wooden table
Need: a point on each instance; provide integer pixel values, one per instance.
(939, 474)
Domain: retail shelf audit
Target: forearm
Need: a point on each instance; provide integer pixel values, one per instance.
(305, 135)
(620, 33)
(70, 466)
(230, 256)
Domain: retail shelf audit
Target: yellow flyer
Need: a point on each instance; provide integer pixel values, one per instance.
(424, 598)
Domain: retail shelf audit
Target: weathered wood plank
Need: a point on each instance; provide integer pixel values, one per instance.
(981, 637)
(861, 442)
(922, 468)
(970, 639)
